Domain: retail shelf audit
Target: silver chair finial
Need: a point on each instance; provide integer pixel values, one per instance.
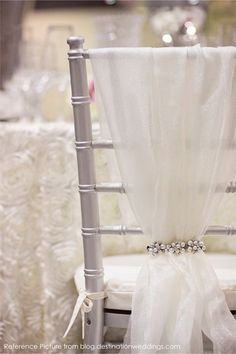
(75, 42)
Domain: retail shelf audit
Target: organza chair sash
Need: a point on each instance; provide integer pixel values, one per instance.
(171, 114)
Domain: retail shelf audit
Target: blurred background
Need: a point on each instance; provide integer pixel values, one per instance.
(33, 63)
(40, 242)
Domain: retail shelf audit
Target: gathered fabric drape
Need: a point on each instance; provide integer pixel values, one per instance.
(172, 116)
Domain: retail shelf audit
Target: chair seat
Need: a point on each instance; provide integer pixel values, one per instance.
(121, 273)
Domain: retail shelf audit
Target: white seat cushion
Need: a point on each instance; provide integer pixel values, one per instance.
(121, 273)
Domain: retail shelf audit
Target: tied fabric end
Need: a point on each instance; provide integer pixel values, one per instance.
(84, 304)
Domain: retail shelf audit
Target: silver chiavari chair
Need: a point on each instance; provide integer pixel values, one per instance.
(98, 317)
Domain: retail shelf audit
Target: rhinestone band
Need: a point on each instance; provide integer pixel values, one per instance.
(178, 247)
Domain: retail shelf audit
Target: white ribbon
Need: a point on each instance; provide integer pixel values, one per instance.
(84, 304)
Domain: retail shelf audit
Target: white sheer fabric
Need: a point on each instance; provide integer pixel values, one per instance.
(171, 112)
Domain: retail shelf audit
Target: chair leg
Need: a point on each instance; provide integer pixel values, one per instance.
(93, 328)
(93, 273)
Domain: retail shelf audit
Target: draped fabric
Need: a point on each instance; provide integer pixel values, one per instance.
(171, 113)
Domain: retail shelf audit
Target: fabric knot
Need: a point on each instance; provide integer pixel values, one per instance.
(84, 304)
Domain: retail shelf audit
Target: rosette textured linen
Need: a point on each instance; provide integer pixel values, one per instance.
(171, 113)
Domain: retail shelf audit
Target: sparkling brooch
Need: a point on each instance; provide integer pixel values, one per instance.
(178, 247)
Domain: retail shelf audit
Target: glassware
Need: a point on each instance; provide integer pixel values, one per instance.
(121, 30)
(52, 84)
(179, 25)
(55, 48)
(40, 85)
(20, 88)
(228, 34)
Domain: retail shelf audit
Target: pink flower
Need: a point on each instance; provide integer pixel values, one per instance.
(92, 90)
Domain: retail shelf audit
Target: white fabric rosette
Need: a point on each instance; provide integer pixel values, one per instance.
(16, 178)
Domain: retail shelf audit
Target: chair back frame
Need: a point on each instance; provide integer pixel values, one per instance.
(93, 271)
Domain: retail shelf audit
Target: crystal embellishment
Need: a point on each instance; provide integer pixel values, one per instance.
(178, 247)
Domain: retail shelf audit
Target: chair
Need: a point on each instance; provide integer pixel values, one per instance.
(114, 310)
